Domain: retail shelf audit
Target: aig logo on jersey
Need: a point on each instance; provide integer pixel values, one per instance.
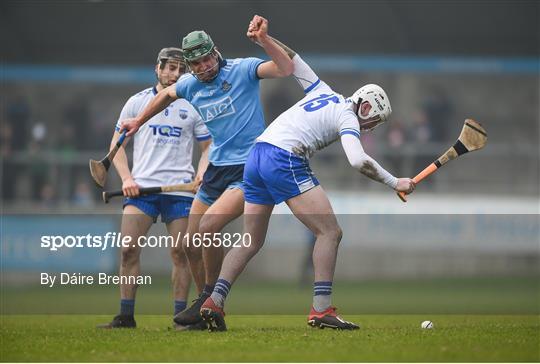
(217, 109)
(166, 130)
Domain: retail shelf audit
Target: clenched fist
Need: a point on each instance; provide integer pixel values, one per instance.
(258, 29)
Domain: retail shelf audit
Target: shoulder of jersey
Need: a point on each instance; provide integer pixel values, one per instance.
(347, 106)
(186, 77)
(143, 93)
(231, 62)
(183, 103)
(324, 87)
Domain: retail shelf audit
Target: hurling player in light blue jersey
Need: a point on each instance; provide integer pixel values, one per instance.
(162, 156)
(226, 94)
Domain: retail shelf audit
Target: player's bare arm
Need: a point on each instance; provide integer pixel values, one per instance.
(290, 52)
(366, 165)
(281, 64)
(163, 99)
(204, 146)
(129, 187)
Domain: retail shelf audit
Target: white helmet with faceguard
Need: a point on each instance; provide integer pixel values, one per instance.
(372, 106)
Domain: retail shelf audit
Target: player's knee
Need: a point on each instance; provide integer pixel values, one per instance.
(253, 249)
(209, 225)
(339, 234)
(129, 256)
(205, 226)
(333, 233)
(178, 256)
(190, 250)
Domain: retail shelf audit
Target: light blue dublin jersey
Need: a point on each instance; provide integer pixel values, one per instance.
(230, 107)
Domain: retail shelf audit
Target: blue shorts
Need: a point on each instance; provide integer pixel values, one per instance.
(170, 207)
(273, 175)
(218, 179)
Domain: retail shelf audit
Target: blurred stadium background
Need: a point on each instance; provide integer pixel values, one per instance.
(68, 68)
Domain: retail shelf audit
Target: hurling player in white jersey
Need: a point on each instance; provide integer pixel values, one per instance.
(277, 170)
(162, 155)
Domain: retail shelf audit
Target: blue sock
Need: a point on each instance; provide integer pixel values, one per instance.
(322, 295)
(221, 290)
(208, 289)
(179, 306)
(127, 307)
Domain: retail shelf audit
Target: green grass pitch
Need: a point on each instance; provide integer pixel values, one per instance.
(490, 319)
(272, 338)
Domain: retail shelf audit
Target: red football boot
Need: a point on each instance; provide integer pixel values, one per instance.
(329, 318)
(213, 316)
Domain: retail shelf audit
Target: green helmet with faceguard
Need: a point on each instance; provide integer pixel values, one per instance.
(197, 44)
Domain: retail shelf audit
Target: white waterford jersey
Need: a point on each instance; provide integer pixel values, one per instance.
(313, 123)
(163, 146)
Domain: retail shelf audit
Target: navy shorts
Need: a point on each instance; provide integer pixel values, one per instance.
(273, 175)
(170, 207)
(218, 179)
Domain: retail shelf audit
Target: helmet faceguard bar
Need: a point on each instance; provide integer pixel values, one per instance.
(219, 61)
(370, 124)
